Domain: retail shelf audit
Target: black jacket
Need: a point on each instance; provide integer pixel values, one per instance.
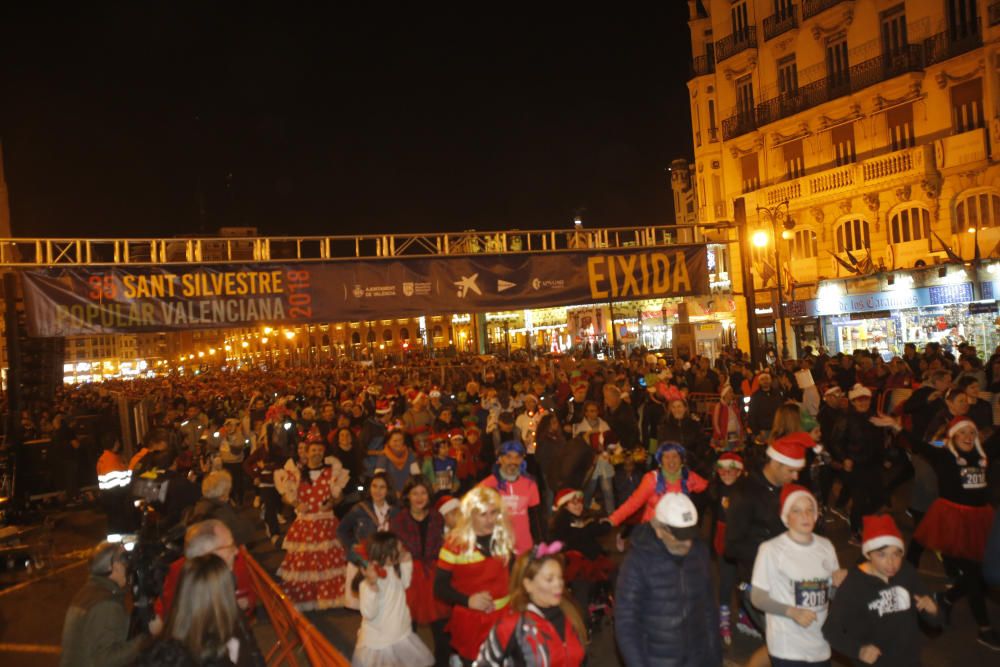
(763, 406)
(665, 612)
(623, 422)
(921, 410)
(859, 440)
(690, 433)
(754, 516)
(867, 610)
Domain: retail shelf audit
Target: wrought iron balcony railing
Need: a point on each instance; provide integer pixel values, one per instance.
(859, 77)
(954, 41)
(734, 43)
(811, 8)
(702, 65)
(781, 22)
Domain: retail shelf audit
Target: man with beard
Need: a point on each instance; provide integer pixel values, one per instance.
(519, 493)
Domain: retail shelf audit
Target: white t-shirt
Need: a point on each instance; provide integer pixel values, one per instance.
(799, 575)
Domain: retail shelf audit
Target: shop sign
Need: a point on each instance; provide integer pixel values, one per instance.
(893, 300)
(978, 308)
(871, 315)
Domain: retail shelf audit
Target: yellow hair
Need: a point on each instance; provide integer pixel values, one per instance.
(463, 536)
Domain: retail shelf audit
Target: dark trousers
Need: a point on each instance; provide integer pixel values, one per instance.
(916, 549)
(235, 471)
(969, 582)
(271, 501)
(727, 581)
(867, 493)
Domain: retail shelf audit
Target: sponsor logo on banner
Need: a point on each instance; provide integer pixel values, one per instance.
(359, 292)
(548, 284)
(503, 285)
(466, 284)
(407, 289)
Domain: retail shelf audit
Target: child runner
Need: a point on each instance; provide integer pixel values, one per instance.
(729, 473)
(579, 530)
(792, 579)
(386, 637)
(873, 619)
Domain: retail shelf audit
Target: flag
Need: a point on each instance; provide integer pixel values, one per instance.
(866, 265)
(854, 261)
(789, 280)
(844, 264)
(947, 248)
(766, 272)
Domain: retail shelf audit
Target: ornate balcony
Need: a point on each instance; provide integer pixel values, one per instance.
(737, 42)
(859, 77)
(777, 24)
(703, 65)
(811, 8)
(954, 41)
(891, 169)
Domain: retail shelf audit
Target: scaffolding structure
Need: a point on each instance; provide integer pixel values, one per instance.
(28, 253)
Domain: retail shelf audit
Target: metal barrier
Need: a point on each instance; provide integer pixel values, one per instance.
(292, 629)
(702, 404)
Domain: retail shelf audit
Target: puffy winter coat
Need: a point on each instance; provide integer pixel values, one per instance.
(665, 612)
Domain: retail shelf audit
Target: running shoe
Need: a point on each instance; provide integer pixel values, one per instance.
(746, 627)
(725, 631)
(990, 639)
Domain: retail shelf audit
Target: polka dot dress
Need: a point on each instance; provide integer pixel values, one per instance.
(314, 565)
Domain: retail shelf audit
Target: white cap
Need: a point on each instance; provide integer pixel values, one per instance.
(859, 390)
(677, 512)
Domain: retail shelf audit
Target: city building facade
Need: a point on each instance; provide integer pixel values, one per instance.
(863, 134)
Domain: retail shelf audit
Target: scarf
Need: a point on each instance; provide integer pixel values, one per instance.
(397, 460)
(662, 479)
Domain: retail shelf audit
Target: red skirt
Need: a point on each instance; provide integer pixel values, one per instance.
(959, 531)
(469, 629)
(579, 567)
(424, 607)
(719, 543)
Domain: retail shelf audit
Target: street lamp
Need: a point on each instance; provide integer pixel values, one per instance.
(760, 239)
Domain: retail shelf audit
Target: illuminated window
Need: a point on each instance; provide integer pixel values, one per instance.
(979, 209)
(853, 235)
(802, 245)
(910, 224)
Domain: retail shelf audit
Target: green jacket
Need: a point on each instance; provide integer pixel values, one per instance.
(96, 629)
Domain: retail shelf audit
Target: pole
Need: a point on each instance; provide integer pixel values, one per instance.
(614, 331)
(780, 300)
(740, 218)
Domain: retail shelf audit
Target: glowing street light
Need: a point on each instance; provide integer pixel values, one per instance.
(760, 238)
(289, 334)
(245, 344)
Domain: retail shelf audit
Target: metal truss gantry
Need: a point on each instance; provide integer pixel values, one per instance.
(27, 253)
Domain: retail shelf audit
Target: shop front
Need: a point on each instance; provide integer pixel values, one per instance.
(941, 305)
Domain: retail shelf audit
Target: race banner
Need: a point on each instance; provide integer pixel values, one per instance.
(76, 301)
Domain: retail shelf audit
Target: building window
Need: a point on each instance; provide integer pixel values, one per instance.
(802, 245)
(750, 172)
(356, 338)
(404, 334)
(962, 19)
(967, 106)
(744, 98)
(853, 235)
(843, 144)
(980, 209)
(837, 67)
(697, 125)
(738, 14)
(900, 122)
(788, 77)
(894, 31)
(437, 333)
(910, 224)
(387, 335)
(712, 133)
(795, 165)
(371, 336)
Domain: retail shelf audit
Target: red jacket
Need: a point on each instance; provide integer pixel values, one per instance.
(244, 586)
(646, 496)
(538, 637)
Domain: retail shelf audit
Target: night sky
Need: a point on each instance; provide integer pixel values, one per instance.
(163, 118)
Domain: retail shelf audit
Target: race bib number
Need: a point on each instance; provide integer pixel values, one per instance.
(812, 594)
(973, 477)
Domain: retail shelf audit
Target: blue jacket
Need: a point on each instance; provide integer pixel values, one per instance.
(358, 524)
(665, 612)
(991, 560)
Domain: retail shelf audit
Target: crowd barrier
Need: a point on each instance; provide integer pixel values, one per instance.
(292, 630)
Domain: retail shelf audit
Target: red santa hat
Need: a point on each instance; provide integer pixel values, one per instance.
(383, 407)
(789, 494)
(414, 395)
(456, 433)
(434, 392)
(446, 504)
(472, 430)
(880, 531)
(730, 460)
(566, 495)
(791, 449)
(957, 424)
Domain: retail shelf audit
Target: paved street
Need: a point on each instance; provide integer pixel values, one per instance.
(32, 607)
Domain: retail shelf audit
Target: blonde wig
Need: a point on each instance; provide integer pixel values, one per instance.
(463, 537)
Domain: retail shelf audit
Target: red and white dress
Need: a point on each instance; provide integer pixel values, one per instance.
(313, 572)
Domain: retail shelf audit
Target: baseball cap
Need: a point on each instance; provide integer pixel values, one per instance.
(678, 513)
